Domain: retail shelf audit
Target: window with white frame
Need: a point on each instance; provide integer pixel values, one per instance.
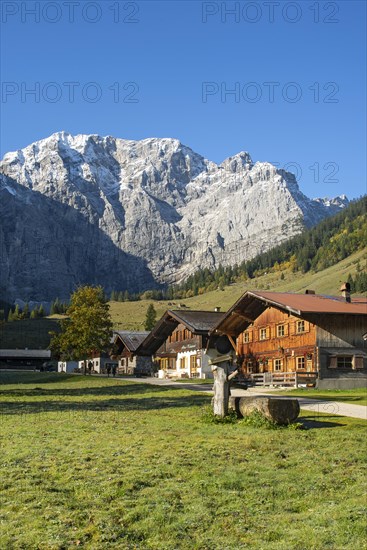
(262, 334)
(300, 327)
(300, 362)
(246, 337)
(280, 330)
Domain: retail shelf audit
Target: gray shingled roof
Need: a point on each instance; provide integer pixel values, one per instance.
(197, 321)
(131, 339)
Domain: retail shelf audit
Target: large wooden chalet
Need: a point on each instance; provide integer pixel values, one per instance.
(178, 342)
(308, 333)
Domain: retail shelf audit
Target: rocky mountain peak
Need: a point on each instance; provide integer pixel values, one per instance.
(133, 214)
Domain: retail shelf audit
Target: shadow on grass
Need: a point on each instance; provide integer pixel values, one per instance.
(312, 422)
(30, 377)
(120, 389)
(113, 405)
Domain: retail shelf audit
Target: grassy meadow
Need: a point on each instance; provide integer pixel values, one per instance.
(34, 333)
(101, 463)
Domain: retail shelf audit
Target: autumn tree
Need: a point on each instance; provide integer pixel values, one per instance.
(88, 327)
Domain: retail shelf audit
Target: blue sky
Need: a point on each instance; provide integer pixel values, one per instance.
(165, 69)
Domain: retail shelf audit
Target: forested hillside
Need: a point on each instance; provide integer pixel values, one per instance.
(320, 247)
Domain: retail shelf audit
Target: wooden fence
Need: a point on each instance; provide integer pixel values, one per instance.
(284, 379)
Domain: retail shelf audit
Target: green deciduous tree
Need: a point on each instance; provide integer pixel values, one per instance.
(88, 327)
(150, 318)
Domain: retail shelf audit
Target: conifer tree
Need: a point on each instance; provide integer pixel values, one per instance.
(25, 312)
(150, 318)
(17, 313)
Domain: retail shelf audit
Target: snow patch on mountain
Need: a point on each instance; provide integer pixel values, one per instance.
(160, 209)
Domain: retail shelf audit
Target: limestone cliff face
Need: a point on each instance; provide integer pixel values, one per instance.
(131, 214)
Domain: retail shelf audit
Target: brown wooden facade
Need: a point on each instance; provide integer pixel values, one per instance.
(181, 351)
(277, 342)
(130, 362)
(178, 343)
(309, 334)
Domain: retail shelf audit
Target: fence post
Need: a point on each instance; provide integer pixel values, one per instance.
(296, 379)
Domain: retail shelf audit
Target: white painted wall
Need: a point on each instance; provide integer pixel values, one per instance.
(98, 363)
(67, 366)
(206, 371)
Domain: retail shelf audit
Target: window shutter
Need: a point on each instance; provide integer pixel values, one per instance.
(333, 362)
(358, 362)
(286, 329)
(268, 332)
(307, 326)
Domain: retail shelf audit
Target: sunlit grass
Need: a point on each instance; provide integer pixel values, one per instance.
(100, 463)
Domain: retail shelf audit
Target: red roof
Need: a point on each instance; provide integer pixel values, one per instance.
(315, 303)
(253, 303)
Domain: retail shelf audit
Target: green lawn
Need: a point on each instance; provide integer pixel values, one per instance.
(353, 397)
(101, 463)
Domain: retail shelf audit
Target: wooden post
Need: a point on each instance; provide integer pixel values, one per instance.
(220, 369)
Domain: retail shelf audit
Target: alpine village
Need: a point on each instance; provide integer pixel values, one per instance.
(241, 387)
(275, 336)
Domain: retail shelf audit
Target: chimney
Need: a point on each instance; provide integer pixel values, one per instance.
(217, 309)
(308, 291)
(345, 290)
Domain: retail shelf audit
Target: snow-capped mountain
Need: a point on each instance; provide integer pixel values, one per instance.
(131, 214)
